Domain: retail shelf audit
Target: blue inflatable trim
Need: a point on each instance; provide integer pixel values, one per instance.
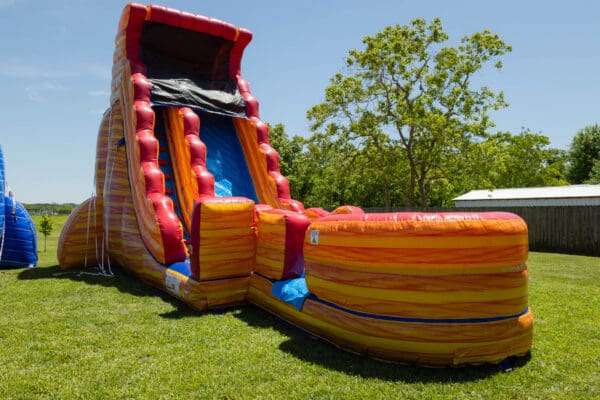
(2, 189)
(20, 239)
(420, 320)
(293, 291)
(182, 267)
(225, 158)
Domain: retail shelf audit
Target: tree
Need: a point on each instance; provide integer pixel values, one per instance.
(584, 152)
(287, 149)
(46, 227)
(323, 173)
(332, 169)
(525, 160)
(407, 103)
(595, 174)
(293, 163)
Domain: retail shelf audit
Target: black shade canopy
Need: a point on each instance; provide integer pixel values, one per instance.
(189, 68)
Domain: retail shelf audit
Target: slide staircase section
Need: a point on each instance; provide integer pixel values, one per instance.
(165, 58)
(168, 160)
(176, 83)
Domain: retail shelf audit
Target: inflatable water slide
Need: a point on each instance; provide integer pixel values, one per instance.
(18, 238)
(189, 197)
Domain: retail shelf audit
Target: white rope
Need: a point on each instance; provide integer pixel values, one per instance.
(99, 266)
(104, 254)
(106, 214)
(2, 191)
(87, 230)
(99, 260)
(99, 257)
(96, 229)
(81, 273)
(2, 239)
(14, 204)
(14, 212)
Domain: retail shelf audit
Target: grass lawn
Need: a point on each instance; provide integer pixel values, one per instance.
(69, 336)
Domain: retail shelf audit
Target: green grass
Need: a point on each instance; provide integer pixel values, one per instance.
(67, 336)
(48, 258)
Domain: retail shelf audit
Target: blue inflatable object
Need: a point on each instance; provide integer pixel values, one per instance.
(2, 189)
(18, 239)
(225, 158)
(293, 291)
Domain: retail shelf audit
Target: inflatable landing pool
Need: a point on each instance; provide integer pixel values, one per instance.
(190, 198)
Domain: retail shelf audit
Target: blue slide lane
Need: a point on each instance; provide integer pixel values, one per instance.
(225, 158)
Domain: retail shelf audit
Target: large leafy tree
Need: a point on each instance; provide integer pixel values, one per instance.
(595, 174)
(288, 149)
(292, 160)
(408, 104)
(584, 154)
(326, 173)
(524, 160)
(343, 173)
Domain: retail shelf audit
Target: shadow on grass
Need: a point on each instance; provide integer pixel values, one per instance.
(299, 343)
(120, 280)
(123, 281)
(304, 346)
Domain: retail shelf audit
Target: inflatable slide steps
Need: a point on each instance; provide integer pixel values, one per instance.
(166, 166)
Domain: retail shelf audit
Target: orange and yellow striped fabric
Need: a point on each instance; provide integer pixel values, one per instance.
(279, 243)
(80, 240)
(186, 185)
(266, 189)
(223, 238)
(270, 244)
(423, 342)
(420, 265)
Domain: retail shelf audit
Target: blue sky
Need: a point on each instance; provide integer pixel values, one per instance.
(56, 58)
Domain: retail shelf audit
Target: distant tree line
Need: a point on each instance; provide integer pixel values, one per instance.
(405, 126)
(50, 208)
(327, 174)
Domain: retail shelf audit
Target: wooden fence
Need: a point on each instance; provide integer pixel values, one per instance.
(571, 230)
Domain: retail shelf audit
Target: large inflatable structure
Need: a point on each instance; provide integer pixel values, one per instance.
(189, 197)
(18, 239)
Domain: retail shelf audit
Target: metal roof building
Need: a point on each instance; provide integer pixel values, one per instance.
(564, 219)
(551, 196)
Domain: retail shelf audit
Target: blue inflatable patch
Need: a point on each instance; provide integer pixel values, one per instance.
(225, 157)
(182, 267)
(293, 291)
(19, 249)
(2, 189)
(223, 187)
